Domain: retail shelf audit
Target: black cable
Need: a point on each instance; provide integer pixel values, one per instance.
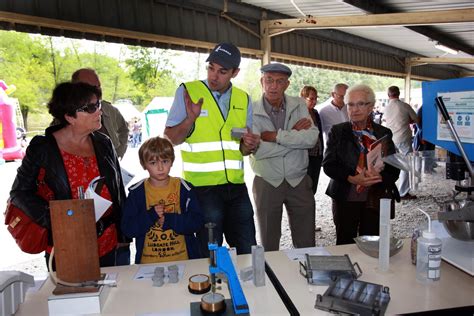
(281, 291)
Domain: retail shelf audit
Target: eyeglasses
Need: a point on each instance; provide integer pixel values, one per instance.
(90, 107)
(358, 104)
(279, 82)
(311, 99)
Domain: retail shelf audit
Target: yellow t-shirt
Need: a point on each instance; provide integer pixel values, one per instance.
(159, 245)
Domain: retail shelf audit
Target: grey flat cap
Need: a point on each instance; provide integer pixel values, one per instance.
(276, 67)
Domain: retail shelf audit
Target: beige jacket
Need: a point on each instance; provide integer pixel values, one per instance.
(116, 126)
(287, 158)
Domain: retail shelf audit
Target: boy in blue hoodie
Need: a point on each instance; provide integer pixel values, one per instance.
(162, 212)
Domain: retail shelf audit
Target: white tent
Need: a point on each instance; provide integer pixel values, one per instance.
(128, 110)
(154, 116)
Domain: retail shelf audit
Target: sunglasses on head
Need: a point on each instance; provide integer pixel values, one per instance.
(90, 107)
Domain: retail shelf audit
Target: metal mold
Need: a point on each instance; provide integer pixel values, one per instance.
(354, 297)
(323, 270)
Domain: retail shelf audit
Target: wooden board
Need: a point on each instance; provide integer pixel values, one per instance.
(75, 240)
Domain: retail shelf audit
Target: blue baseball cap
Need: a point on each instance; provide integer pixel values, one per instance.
(225, 54)
(276, 67)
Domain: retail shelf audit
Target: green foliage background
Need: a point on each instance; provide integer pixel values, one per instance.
(36, 64)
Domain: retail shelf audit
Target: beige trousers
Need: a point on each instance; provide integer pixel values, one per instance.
(299, 204)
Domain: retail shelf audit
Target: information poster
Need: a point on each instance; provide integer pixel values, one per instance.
(460, 106)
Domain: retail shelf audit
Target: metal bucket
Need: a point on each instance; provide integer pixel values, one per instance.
(462, 230)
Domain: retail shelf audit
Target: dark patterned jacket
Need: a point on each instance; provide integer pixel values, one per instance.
(341, 158)
(43, 152)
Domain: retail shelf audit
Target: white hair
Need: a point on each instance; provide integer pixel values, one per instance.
(361, 87)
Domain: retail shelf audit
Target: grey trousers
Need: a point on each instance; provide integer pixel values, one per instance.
(300, 205)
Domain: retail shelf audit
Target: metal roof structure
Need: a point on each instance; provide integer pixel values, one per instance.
(419, 40)
(404, 49)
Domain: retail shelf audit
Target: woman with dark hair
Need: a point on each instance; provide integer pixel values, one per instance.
(68, 157)
(356, 187)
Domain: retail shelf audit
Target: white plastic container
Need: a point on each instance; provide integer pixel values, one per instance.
(13, 287)
(428, 256)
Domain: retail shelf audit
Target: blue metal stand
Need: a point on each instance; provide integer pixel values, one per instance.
(222, 263)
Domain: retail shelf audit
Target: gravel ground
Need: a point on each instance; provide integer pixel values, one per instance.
(435, 190)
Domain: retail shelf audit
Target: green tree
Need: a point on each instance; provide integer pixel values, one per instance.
(249, 79)
(152, 73)
(24, 62)
(116, 83)
(325, 79)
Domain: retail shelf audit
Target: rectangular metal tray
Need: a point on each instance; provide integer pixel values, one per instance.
(323, 270)
(350, 296)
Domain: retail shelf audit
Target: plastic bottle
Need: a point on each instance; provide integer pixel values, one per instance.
(428, 255)
(413, 246)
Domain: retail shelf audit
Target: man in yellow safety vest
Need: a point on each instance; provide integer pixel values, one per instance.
(212, 120)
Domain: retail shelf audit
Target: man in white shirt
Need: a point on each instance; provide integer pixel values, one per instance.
(335, 112)
(398, 116)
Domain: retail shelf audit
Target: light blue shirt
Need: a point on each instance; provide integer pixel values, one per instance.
(178, 113)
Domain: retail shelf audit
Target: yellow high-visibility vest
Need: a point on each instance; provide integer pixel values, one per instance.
(210, 155)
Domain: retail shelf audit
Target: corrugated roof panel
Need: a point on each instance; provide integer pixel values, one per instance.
(399, 37)
(309, 7)
(201, 20)
(432, 5)
(299, 44)
(464, 32)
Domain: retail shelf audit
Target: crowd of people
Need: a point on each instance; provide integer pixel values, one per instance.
(216, 124)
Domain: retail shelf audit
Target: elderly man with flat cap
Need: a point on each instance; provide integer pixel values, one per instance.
(281, 160)
(212, 120)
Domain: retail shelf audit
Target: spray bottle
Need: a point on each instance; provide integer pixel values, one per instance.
(428, 255)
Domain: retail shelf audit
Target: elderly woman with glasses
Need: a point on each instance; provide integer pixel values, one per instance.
(358, 183)
(61, 164)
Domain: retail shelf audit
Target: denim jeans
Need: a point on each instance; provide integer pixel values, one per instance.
(122, 256)
(135, 140)
(229, 207)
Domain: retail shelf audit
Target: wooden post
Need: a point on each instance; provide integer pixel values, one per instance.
(265, 42)
(407, 80)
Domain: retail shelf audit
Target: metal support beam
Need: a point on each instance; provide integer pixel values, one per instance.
(225, 16)
(371, 20)
(108, 31)
(343, 67)
(265, 53)
(376, 7)
(417, 61)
